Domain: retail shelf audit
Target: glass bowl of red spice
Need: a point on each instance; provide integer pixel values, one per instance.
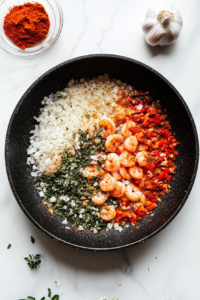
(29, 28)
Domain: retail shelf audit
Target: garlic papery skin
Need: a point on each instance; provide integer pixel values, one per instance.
(162, 24)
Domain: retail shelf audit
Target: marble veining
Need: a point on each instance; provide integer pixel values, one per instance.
(166, 267)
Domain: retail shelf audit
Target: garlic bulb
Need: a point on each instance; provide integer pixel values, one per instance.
(162, 24)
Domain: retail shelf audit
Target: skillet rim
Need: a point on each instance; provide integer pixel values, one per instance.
(12, 185)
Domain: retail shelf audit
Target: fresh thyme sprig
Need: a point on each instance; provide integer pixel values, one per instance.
(33, 261)
(55, 297)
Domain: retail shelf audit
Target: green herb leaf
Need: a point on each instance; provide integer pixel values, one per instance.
(33, 261)
(55, 297)
(9, 246)
(49, 293)
(87, 116)
(32, 240)
(43, 298)
(30, 298)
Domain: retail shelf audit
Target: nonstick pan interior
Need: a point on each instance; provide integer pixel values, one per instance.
(142, 78)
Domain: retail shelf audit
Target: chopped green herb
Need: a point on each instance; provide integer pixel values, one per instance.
(67, 128)
(9, 246)
(71, 189)
(49, 293)
(32, 240)
(87, 116)
(33, 261)
(55, 297)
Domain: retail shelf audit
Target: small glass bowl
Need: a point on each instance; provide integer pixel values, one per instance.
(53, 9)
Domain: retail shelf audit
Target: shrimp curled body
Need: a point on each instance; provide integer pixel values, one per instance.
(112, 162)
(108, 127)
(113, 142)
(141, 158)
(127, 159)
(124, 173)
(116, 175)
(126, 129)
(107, 183)
(108, 213)
(93, 170)
(136, 172)
(131, 144)
(133, 193)
(100, 198)
(119, 190)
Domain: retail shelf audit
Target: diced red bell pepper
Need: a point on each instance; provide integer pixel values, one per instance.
(154, 200)
(149, 134)
(147, 122)
(162, 175)
(149, 166)
(136, 102)
(156, 152)
(155, 121)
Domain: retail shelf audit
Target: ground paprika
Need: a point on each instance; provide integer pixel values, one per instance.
(27, 24)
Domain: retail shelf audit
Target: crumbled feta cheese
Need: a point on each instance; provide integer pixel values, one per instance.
(65, 207)
(41, 194)
(80, 227)
(65, 221)
(109, 225)
(53, 199)
(120, 229)
(116, 226)
(94, 157)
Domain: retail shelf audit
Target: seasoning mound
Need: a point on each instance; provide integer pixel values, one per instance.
(27, 25)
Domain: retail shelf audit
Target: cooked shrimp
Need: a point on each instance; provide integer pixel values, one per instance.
(132, 192)
(131, 144)
(112, 162)
(121, 148)
(100, 198)
(54, 164)
(119, 190)
(136, 172)
(108, 213)
(126, 129)
(142, 147)
(108, 127)
(124, 172)
(119, 116)
(93, 170)
(141, 158)
(116, 175)
(107, 183)
(113, 142)
(91, 128)
(127, 159)
(143, 199)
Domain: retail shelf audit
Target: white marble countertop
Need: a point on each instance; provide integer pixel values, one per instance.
(106, 26)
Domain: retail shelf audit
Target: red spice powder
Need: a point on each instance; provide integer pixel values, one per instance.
(27, 24)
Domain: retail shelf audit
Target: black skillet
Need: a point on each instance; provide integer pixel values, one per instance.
(142, 78)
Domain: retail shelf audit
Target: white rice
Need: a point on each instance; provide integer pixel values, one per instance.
(69, 109)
